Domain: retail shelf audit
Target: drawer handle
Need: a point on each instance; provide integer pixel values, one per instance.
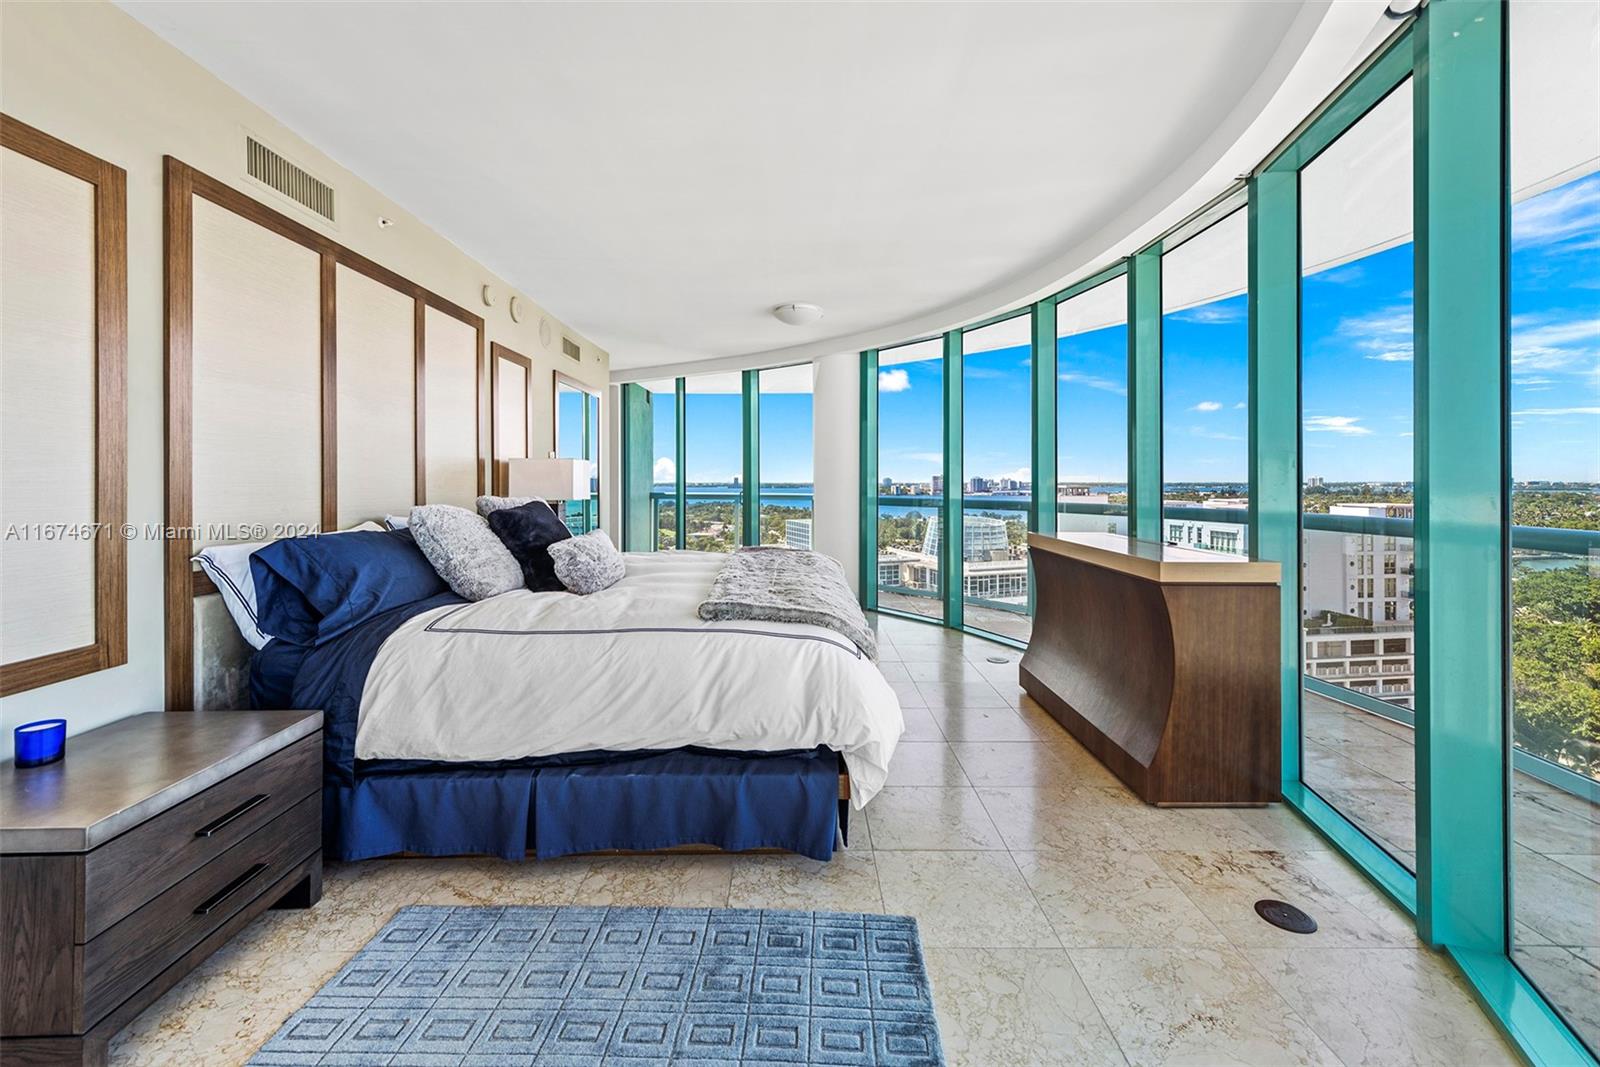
(229, 890)
(216, 824)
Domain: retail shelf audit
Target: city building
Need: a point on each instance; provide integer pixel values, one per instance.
(983, 537)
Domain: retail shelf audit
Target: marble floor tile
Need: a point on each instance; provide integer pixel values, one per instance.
(1101, 899)
(1280, 828)
(1226, 885)
(1181, 829)
(1072, 820)
(1553, 822)
(225, 1010)
(1408, 1005)
(920, 724)
(964, 899)
(1587, 865)
(1570, 978)
(1031, 764)
(357, 899)
(909, 695)
(662, 881)
(925, 763)
(894, 671)
(848, 882)
(945, 672)
(1016, 1008)
(981, 724)
(484, 881)
(1195, 1006)
(930, 817)
(1555, 900)
(961, 695)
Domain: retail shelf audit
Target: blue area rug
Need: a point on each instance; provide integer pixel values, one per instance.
(628, 987)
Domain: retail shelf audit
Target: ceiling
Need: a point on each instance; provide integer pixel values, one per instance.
(660, 175)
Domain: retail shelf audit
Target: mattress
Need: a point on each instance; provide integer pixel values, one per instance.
(631, 668)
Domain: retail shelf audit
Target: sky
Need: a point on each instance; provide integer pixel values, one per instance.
(1356, 381)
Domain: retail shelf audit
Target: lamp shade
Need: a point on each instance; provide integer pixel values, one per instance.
(552, 479)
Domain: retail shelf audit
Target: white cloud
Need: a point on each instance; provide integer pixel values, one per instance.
(1207, 405)
(1384, 335)
(893, 380)
(1343, 424)
(1556, 215)
(1544, 343)
(665, 470)
(1240, 406)
(1208, 314)
(1110, 385)
(1553, 412)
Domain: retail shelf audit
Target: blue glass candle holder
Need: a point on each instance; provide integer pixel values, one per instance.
(38, 743)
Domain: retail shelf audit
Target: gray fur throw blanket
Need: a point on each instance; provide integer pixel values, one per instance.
(775, 584)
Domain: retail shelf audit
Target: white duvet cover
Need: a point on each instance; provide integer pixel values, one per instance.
(632, 667)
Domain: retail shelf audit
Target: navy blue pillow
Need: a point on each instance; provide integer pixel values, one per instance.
(311, 589)
(529, 531)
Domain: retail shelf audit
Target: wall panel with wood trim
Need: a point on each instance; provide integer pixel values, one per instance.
(63, 293)
(257, 380)
(452, 372)
(293, 403)
(376, 375)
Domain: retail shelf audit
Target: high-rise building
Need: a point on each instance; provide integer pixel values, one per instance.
(938, 484)
(797, 533)
(983, 537)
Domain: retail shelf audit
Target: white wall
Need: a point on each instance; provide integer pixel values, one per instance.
(92, 76)
(836, 458)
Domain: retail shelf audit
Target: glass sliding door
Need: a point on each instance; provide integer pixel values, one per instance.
(996, 395)
(910, 477)
(1357, 324)
(714, 462)
(786, 490)
(1205, 422)
(1092, 409)
(1555, 504)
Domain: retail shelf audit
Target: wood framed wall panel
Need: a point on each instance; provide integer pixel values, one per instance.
(510, 410)
(185, 187)
(455, 426)
(104, 557)
(375, 393)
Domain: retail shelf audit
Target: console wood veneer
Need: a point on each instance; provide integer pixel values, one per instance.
(1163, 662)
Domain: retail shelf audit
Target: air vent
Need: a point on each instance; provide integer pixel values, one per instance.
(569, 347)
(279, 175)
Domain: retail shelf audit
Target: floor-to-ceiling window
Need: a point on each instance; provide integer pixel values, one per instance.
(786, 488)
(1092, 409)
(577, 432)
(997, 441)
(910, 477)
(1555, 503)
(1356, 458)
(714, 462)
(1205, 421)
(663, 478)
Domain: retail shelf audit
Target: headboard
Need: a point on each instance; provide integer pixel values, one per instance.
(308, 388)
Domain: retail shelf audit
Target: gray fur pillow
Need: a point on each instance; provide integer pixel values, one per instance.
(589, 563)
(473, 562)
(489, 504)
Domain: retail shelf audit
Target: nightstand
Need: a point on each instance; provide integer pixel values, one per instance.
(122, 867)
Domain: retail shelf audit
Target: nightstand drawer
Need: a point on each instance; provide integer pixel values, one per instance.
(129, 870)
(123, 958)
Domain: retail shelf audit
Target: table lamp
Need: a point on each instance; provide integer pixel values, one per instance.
(555, 480)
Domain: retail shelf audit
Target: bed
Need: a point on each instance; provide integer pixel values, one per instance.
(549, 724)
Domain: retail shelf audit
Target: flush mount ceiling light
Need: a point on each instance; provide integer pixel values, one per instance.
(797, 314)
(1399, 9)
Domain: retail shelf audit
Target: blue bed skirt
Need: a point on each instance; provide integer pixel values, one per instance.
(643, 801)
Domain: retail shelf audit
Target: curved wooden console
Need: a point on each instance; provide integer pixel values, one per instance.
(1163, 661)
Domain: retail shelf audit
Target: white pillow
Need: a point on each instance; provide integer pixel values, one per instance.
(228, 567)
(397, 522)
